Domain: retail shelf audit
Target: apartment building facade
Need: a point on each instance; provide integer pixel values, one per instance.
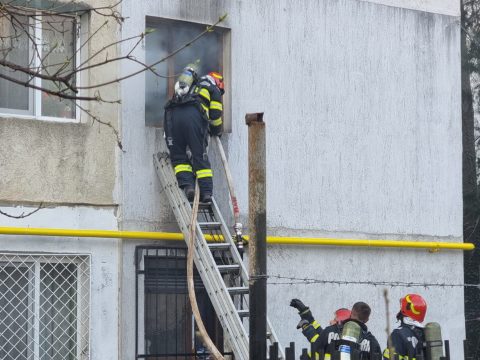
(362, 108)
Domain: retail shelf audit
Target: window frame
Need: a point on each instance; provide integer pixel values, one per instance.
(148, 260)
(34, 111)
(225, 66)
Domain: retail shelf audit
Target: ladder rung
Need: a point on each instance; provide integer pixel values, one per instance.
(204, 206)
(210, 225)
(210, 255)
(243, 313)
(228, 268)
(219, 246)
(238, 290)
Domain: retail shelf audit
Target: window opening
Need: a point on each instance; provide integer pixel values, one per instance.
(168, 36)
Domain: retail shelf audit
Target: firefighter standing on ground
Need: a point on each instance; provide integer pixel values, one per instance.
(194, 112)
(408, 339)
(323, 340)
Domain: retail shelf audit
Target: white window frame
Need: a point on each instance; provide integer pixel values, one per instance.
(34, 111)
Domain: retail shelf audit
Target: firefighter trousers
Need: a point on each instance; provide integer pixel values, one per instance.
(186, 128)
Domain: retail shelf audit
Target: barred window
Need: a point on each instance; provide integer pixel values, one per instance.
(166, 328)
(44, 307)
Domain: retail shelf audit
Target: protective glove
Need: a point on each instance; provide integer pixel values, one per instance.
(299, 305)
(215, 130)
(303, 310)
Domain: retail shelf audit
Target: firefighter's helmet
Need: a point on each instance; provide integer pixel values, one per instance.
(413, 306)
(341, 315)
(217, 79)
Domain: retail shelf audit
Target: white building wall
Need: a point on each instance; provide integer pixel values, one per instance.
(363, 117)
(444, 7)
(105, 263)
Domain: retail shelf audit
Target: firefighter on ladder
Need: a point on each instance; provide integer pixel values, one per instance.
(194, 112)
(408, 339)
(323, 340)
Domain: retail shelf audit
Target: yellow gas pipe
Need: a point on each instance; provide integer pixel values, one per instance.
(276, 240)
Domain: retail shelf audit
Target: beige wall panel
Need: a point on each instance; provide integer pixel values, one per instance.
(55, 162)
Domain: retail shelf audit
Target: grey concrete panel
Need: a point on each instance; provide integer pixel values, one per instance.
(362, 112)
(444, 7)
(363, 117)
(361, 107)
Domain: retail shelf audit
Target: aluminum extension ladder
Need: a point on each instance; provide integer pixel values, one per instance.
(218, 262)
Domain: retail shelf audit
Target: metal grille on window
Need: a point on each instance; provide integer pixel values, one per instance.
(166, 329)
(44, 307)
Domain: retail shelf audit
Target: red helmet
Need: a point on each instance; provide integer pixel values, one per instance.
(342, 314)
(413, 306)
(218, 79)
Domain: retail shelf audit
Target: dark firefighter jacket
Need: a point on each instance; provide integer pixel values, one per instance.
(211, 102)
(323, 340)
(408, 342)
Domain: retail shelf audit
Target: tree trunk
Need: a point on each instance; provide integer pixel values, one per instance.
(471, 232)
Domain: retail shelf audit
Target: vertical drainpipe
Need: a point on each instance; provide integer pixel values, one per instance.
(257, 247)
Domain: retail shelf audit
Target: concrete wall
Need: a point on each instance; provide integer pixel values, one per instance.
(362, 108)
(445, 7)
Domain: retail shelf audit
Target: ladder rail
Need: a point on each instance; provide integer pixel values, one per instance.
(215, 286)
(226, 301)
(204, 268)
(229, 316)
(244, 273)
(205, 263)
(227, 237)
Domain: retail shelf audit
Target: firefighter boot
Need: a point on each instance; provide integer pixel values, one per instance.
(189, 193)
(206, 198)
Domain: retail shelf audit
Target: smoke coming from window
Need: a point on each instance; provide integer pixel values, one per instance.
(168, 36)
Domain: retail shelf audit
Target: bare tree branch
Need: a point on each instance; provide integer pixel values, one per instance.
(67, 79)
(59, 93)
(108, 124)
(59, 78)
(148, 67)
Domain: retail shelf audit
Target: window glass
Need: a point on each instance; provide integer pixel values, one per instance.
(58, 317)
(16, 323)
(34, 41)
(14, 48)
(57, 53)
(169, 36)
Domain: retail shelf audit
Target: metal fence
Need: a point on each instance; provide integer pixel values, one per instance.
(44, 307)
(305, 354)
(165, 328)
